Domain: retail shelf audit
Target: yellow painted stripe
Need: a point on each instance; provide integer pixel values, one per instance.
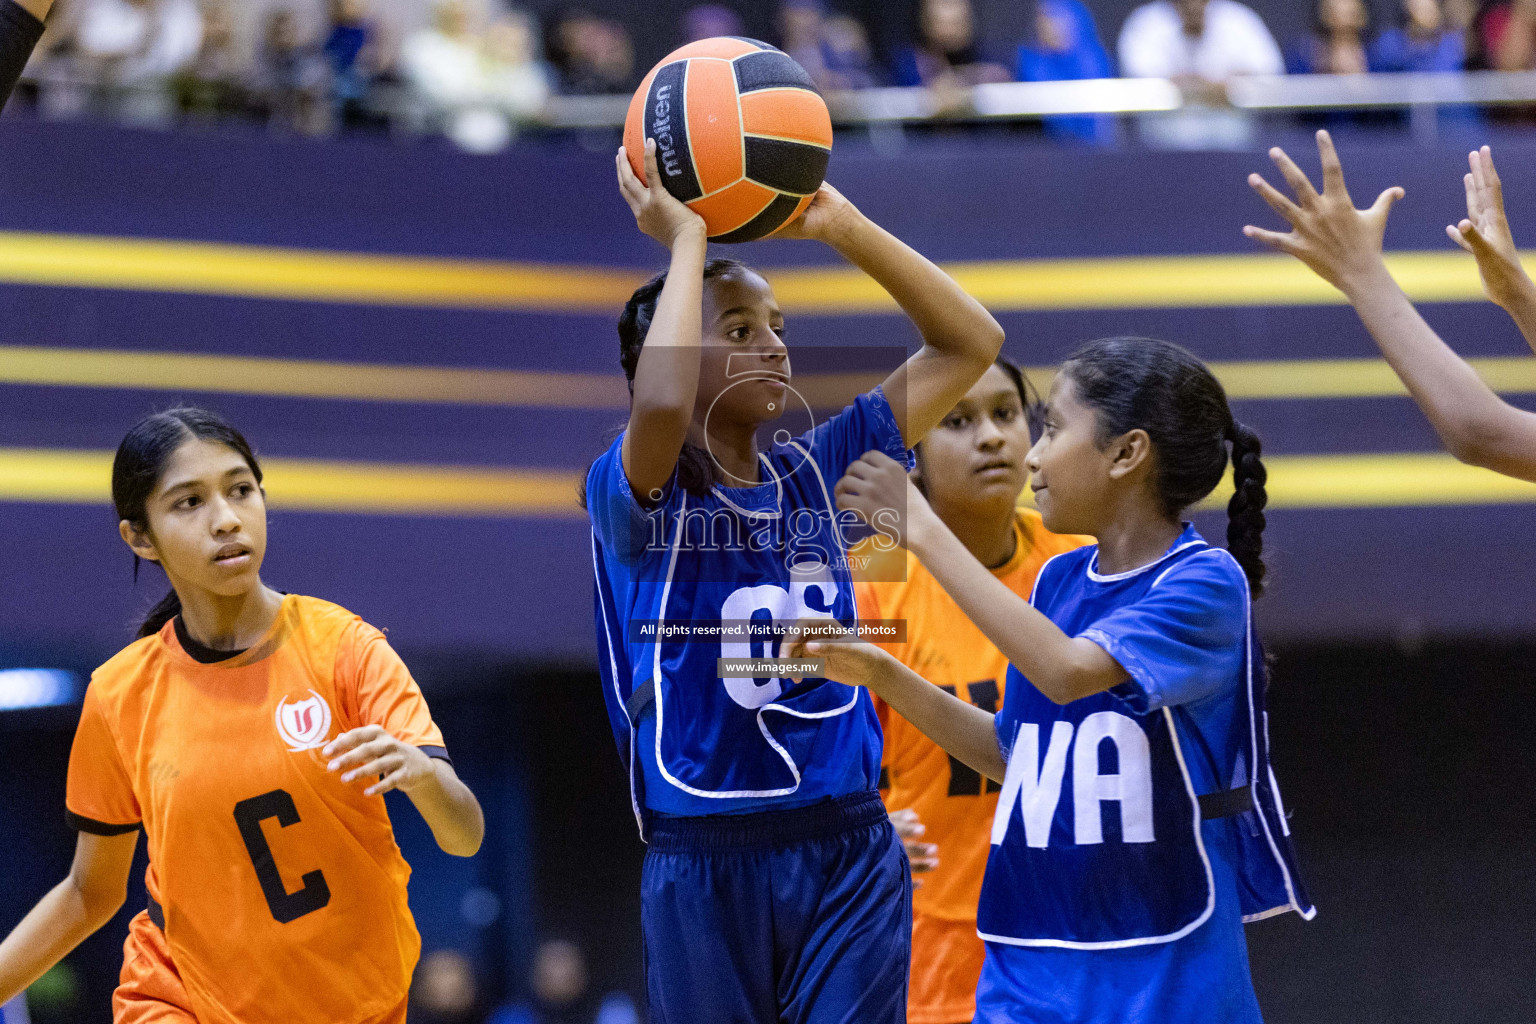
(1325, 378)
(1386, 481)
(1429, 480)
(244, 375)
(1295, 482)
(1160, 282)
(1353, 378)
(249, 271)
(303, 378)
(317, 485)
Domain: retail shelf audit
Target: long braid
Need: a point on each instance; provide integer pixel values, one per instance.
(1245, 512)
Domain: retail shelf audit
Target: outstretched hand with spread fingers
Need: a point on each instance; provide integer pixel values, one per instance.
(1341, 244)
(1485, 233)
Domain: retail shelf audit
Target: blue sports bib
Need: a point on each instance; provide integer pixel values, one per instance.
(773, 553)
(1097, 842)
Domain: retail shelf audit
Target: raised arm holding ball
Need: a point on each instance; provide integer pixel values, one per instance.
(775, 887)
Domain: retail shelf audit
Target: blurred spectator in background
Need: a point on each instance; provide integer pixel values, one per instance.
(347, 57)
(1506, 33)
(288, 79)
(591, 56)
(705, 21)
(562, 994)
(802, 24)
(1337, 43)
(947, 56)
(847, 56)
(1197, 41)
(475, 85)
(1460, 14)
(517, 81)
(444, 990)
(134, 47)
(1202, 45)
(1424, 40)
(1066, 47)
(833, 49)
(442, 62)
(214, 84)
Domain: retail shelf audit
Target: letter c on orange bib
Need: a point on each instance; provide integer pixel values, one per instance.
(742, 135)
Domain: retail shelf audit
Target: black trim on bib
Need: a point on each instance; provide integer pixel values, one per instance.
(641, 700)
(1227, 804)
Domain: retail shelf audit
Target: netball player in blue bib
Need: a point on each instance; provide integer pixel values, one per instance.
(774, 888)
(1139, 824)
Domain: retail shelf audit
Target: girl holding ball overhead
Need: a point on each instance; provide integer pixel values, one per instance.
(774, 887)
(1139, 825)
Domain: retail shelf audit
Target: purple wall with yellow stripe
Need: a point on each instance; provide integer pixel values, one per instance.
(421, 343)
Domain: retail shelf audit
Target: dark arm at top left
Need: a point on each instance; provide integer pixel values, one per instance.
(19, 32)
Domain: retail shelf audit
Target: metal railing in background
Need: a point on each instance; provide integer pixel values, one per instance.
(1422, 95)
(1425, 97)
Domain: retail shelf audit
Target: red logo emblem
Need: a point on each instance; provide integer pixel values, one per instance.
(304, 724)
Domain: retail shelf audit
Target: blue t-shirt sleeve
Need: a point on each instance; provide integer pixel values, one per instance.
(1185, 640)
(867, 424)
(1006, 722)
(623, 526)
(1003, 746)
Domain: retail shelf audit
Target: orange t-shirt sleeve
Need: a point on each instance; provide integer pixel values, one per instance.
(868, 597)
(99, 795)
(382, 691)
(868, 601)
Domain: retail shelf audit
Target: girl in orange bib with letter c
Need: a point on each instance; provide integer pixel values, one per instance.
(251, 735)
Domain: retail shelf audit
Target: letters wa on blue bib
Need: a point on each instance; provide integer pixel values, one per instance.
(1098, 837)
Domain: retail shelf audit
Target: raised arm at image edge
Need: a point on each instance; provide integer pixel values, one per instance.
(21, 26)
(37, 8)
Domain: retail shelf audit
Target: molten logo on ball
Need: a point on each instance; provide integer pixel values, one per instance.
(742, 136)
(661, 124)
(304, 724)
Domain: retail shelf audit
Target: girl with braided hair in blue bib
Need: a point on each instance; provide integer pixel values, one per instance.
(775, 890)
(1139, 825)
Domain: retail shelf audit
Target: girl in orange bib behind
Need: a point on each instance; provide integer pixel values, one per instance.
(971, 467)
(252, 735)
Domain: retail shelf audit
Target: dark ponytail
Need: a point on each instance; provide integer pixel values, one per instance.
(1029, 397)
(141, 460)
(1162, 388)
(695, 469)
(164, 611)
(1245, 512)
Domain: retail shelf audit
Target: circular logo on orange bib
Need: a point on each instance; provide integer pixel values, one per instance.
(304, 724)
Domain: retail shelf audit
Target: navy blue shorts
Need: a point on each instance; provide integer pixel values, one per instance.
(801, 916)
